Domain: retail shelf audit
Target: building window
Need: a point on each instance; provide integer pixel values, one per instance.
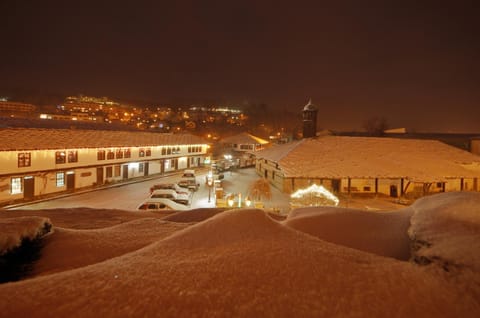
(109, 172)
(169, 151)
(164, 151)
(119, 154)
(16, 185)
(73, 156)
(24, 159)
(127, 153)
(60, 157)
(110, 155)
(60, 179)
(189, 149)
(140, 167)
(101, 155)
(148, 152)
(141, 152)
(116, 171)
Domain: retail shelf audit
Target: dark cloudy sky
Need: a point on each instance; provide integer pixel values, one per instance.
(414, 62)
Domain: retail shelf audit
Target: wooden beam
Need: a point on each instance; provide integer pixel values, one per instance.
(406, 187)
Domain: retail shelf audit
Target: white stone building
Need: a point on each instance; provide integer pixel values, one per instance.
(39, 162)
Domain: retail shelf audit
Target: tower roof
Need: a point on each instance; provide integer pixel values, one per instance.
(310, 106)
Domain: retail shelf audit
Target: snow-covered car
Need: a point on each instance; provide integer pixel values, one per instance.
(172, 195)
(169, 186)
(188, 173)
(189, 183)
(160, 204)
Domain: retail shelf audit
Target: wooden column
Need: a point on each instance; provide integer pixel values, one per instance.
(376, 185)
(349, 183)
(461, 184)
(401, 188)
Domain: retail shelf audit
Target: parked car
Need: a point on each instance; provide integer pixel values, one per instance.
(160, 204)
(189, 180)
(169, 186)
(172, 195)
(188, 173)
(189, 183)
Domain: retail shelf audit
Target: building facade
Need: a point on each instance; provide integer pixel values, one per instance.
(367, 165)
(40, 162)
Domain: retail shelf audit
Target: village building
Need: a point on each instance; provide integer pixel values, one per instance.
(395, 167)
(242, 146)
(39, 162)
(391, 166)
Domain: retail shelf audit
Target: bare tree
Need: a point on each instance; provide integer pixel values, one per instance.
(260, 189)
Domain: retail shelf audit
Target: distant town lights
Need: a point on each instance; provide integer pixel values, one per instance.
(316, 191)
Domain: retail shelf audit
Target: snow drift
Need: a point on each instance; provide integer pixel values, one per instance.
(242, 263)
(15, 230)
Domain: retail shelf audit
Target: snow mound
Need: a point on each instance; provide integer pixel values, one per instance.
(14, 230)
(446, 229)
(317, 210)
(230, 227)
(381, 233)
(190, 216)
(68, 249)
(83, 218)
(241, 263)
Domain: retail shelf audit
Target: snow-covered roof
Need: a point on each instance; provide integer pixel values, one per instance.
(244, 138)
(37, 139)
(367, 157)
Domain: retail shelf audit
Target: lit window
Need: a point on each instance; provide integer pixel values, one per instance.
(73, 156)
(141, 152)
(110, 155)
(127, 153)
(119, 154)
(24, 159)
(60, 179)
(140, 167)
(148, 152)
(16, 185)
(101, 155)
(60, 157)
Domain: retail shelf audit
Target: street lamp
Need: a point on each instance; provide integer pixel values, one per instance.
(209, 183)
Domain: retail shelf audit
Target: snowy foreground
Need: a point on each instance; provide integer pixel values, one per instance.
(421, 261)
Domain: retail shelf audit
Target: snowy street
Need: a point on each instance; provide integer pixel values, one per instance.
(129, 196)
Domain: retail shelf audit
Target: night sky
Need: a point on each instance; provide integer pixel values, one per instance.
(415, 63)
